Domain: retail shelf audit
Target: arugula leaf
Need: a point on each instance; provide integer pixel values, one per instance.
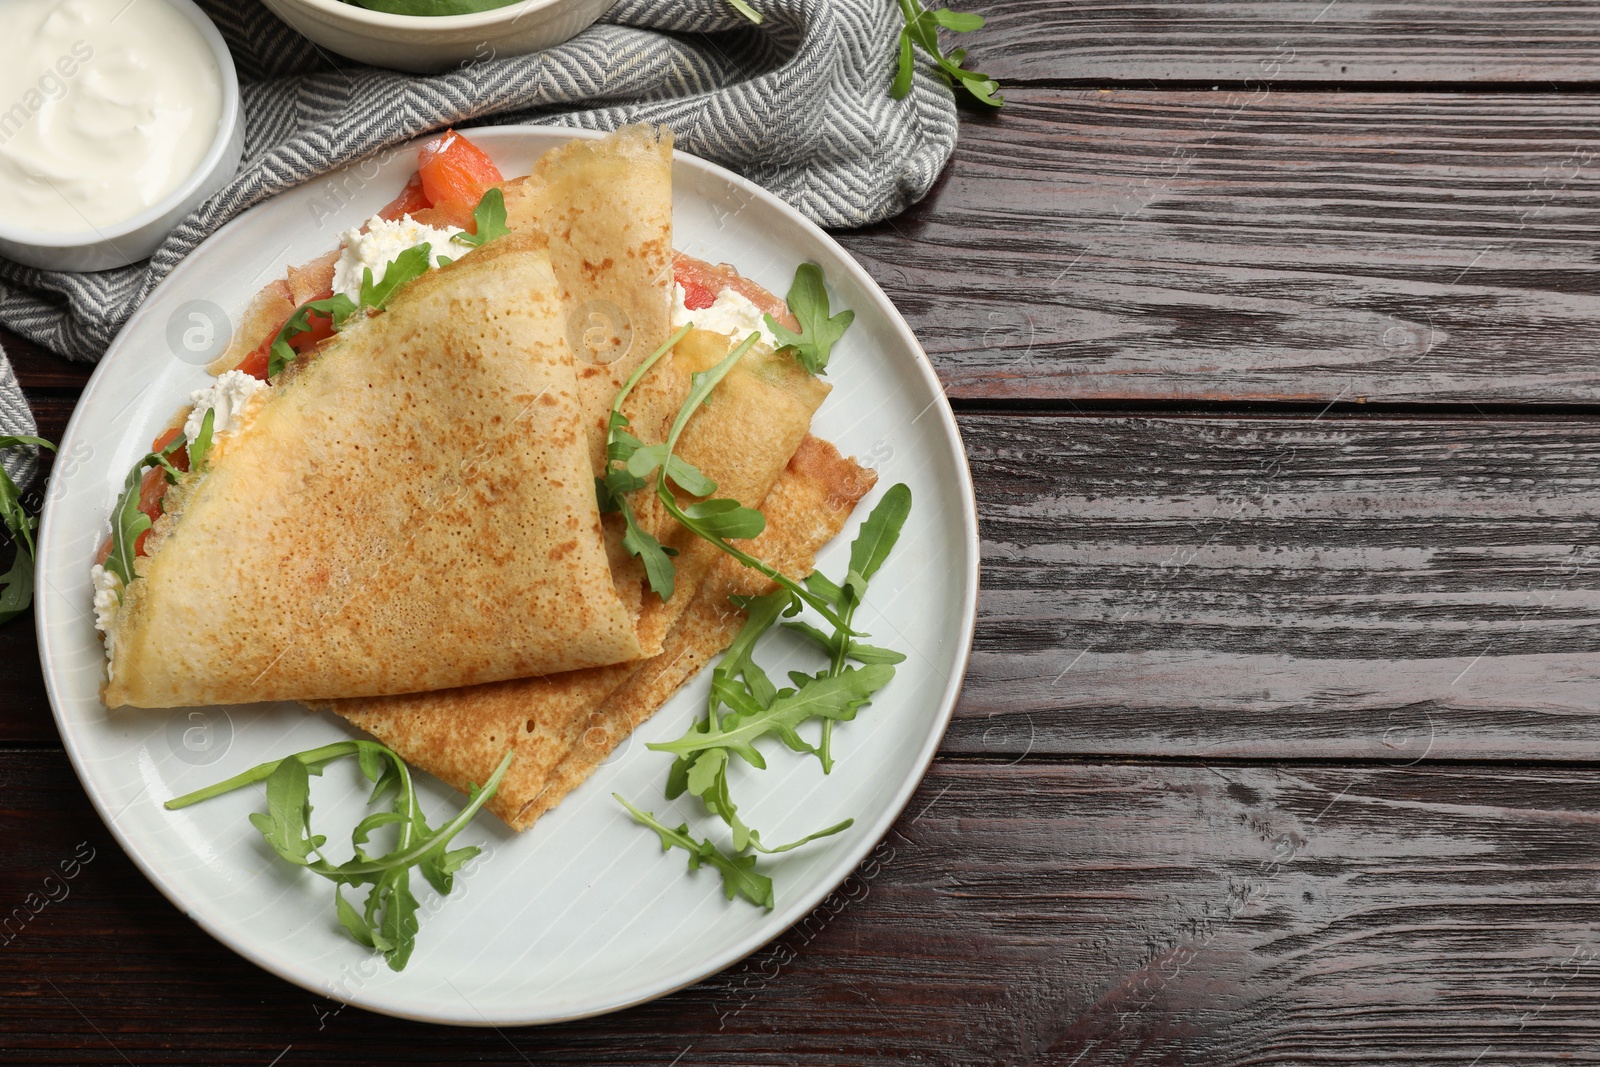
(352, 920)
(201, 447)
(489, 219)
(407, 266)
(878, 534)
(16, 584)
(727, 518)
(757, 708)
(613, 487)
(922, 28)
(659, 570)
(15, 516)
(831, 696)
(861, 653)
(388, 920)
(874, 541)
(127, 521)
(400, 923)
(836, 828)
(808, 301)
(286, 824)
(705, 775)
(337, 308)
(739, 877)
(707, 518)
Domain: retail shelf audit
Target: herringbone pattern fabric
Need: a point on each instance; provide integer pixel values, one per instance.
(800, 104)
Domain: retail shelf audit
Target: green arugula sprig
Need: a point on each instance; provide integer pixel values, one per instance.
(490, 219)
(713, 520)
(617, 483)
(808, 301)
(16, 584)
(127, 521)
(868, 552)
(200, 448)
(922, 29)
(338, 307)
(757, 708)
(630, 463)
(387, 921)
(739, 876)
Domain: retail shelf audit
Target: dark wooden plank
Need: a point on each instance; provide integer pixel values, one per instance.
(1311, 246)
(1370, 588)
(1033, 914)
(39, 368)
(1416, 42)
(1365, 587)
(1246, 245)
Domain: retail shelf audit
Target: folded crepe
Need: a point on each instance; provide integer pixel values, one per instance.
(588, 198)
(605, 206)
(413, 506)
(745, 438)
(411, 509)
(563, 727)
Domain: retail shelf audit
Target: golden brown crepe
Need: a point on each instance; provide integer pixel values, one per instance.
(806, 509)
(606, 207)
(562, 727)
(589, 197)
(743, 438)
(410, 510)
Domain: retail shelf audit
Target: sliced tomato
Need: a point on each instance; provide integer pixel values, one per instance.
(411, 199)
(151, 489)
(104, 554)
(180, 458)
(455, 173)
(321, 330)
(260, 357)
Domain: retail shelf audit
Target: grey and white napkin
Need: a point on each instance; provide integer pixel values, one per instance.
(799, 103)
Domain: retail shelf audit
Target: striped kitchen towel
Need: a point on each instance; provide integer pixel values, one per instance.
(800, 104)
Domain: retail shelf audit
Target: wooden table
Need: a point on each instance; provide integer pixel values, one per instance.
(1274, 332)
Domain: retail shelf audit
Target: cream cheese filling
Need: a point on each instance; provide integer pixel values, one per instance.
(731, 313)
(227, 397)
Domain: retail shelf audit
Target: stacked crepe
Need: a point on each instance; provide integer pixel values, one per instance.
(405, 531)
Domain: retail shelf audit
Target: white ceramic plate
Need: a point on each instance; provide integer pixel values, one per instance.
(584, 914)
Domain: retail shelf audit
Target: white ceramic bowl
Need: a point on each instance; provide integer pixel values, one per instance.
(133, 240)
(428, 44)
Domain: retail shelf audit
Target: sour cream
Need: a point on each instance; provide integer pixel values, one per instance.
(731, 313)
(106, 107)
(107, 598)
(225, 398)
(376, 248)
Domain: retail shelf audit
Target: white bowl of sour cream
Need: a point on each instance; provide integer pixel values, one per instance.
(117, 119)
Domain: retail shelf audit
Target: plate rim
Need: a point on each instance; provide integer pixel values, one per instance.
(782, 919)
